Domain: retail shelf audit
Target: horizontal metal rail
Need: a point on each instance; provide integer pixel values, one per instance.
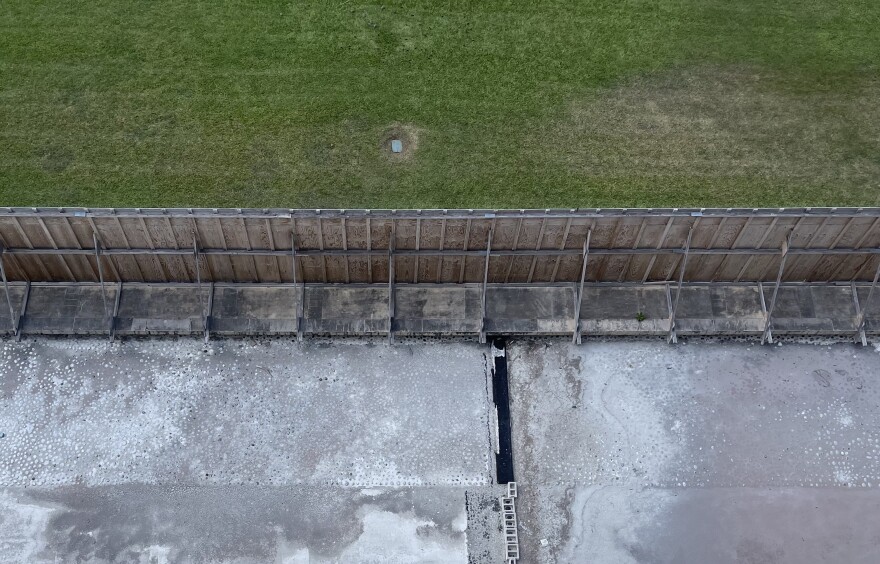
(444, 252)
(473, 285)
(270, 213)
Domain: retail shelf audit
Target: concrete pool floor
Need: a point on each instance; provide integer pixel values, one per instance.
(637, 452)
(252, 451)
(244, 451)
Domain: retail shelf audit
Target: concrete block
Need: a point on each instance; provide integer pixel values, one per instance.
(68, 310)
(342, 310)
(160, 309)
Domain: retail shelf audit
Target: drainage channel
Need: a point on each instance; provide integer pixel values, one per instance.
(501, 398)
(504, 456)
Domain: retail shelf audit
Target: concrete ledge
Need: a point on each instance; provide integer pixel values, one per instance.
(435, 310)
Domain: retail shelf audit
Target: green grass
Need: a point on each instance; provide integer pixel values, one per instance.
(514, 104)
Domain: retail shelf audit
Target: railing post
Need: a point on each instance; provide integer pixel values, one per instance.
(199, 282)
(115, 311)
(302, 290)
(103, 289)
(391, 282)
(767, 336)
(13, 323)
(672, 337)
(860, 328)
(576, 338)
(483, 291)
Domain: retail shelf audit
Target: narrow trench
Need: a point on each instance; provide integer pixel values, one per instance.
(501, 398)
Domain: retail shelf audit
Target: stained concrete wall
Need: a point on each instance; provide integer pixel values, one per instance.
(433, 310)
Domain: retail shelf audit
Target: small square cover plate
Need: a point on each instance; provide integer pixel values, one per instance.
(396, 146)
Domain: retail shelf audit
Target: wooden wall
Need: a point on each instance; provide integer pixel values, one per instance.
(438, 246)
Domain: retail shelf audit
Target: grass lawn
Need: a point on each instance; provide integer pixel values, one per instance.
(590, 103)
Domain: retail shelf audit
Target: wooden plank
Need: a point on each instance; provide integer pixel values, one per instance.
(345, 247)
(259, 236)
(624, 237)
(430, 238)
(454, 238)
(708, 235)
(538, 244)
(793, 234)
(418, 246)
(210, 235)
(333, 237)
(660, 244)
(405, 239)
(160, 231)
(624, 272)
(514, 247)
(857, 237)
(479, 237)
(24, 268)
(89, 268)
(244, 237)
(232, 235)
(64, 262)
(356, 239)
(124, 267)
(465, 246)
(151, 266)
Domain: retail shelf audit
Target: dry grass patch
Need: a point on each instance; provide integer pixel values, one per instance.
(735, 123)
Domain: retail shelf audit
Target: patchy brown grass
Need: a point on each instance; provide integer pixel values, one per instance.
(734, 123)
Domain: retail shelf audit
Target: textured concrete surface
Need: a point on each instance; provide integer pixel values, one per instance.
(436, 310)
(245, 451)
(639, 452)
(257, 451)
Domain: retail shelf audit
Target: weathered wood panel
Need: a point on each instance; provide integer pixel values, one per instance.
(441, 246)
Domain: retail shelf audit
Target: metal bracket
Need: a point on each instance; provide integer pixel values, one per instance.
(209, 312)
(23, 310)
(576, 337)
(766, 336)
(672, 337)
(860, 336)
(764, 309)
(860, 328)
(13, 321)
(302, 290)
(103, 288)
(391, 284)
(115, 311)
(483, 290)
(201, 294)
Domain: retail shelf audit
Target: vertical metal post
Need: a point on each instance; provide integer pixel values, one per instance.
(12, 320)
(22, 311)
(115, 311)
(672, 337)
(302, 292)
(576, 338)
(199, 282)
(862, 314)
(101, 278)
(767, 336)
(209, 312)
(391, 282)
(860, 335)
(483, 291)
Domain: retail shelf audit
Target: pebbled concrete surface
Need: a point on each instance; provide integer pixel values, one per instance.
(638, 452)
(247, 451)
(242, 412)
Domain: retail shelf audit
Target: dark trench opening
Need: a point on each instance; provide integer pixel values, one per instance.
(501, 398)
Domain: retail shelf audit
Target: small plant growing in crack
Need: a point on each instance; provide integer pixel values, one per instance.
(640, 317)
